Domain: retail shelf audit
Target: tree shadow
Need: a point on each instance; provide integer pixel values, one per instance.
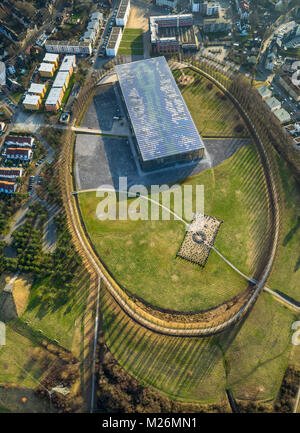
(291, 233)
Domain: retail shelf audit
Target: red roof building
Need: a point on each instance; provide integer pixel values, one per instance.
(11, 172)
(16, 140)
(18, 153)
(7, 187)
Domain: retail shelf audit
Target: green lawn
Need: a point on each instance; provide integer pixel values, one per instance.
(286, 272)
(212, 112)
(260, 352)
(250, 359)
(64, 321)
(132, 42)
(184, 368)
(17, 365)
(142, 254)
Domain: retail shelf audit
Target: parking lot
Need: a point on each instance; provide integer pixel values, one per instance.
(103, 108)
(101, 160)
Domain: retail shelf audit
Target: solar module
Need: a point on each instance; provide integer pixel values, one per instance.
(160, 118)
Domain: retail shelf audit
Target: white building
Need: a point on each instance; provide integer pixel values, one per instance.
(273, 103)
(2, 74)
(37, 89)
(61, 80)
(169, 3)
(69, 47)
(51, 58)
(114, 41)
(68, 64)
(206, 8)
(123, 13)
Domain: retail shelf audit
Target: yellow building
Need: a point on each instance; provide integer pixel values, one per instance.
(32, 102)
(62, 80)
(47, 69)
(37, 89)
(51, 58)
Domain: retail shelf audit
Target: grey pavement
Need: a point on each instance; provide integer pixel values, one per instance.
(101, 160)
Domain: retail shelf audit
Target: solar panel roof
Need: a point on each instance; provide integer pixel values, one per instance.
(160, 118)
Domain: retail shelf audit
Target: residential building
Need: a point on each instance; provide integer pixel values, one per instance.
(32, 102)
(69, 47)
(96, 16)
(114, 41)
(170, 33)
(89, 36)
(18, 153)
(282, 115)
(208, 8)
(169, 3)
(54, 99)
(7, 187)
(68, 64)
(11, 172)
(286, 82)
(273, 103)
(216, 25)
(47, 69)
(51, 58)
(37, 89)
(264, 92)
(94, 26)
(61, 80)
(242, 9)
(123, 13)
(2, 74)
(19, 141)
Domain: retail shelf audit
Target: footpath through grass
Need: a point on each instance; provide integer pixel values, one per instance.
(141, 255)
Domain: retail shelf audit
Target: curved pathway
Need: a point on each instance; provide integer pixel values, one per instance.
(125, 303)
(102, 274)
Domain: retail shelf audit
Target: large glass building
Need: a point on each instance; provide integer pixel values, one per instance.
(163, 127)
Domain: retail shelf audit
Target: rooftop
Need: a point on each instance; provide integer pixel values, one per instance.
(36, 88)
(122, 8)
(67, 63)
(51, 57)
(54, 95)
(46, 67)
(272, 102)
(68, 43)
(31, 99)
(282, 115)
(60, 79)
(161, 121)
(264, 91)
(113, 37)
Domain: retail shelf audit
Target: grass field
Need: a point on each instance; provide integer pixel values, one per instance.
(250, 359)
(286, 272)
(17, 365)
(213, 114)
(142, 254)
(64, 320)
(132, 42)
